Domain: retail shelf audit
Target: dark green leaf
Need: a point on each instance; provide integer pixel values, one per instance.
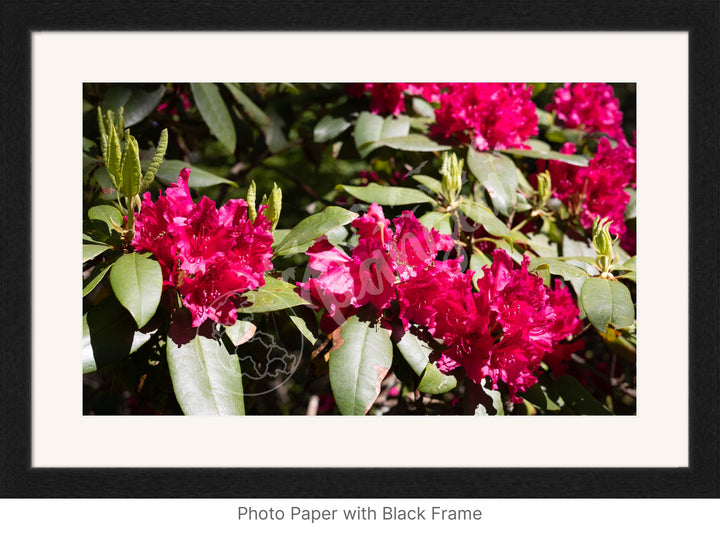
(253, 111)
(329, 128)
(97, 275)
(309, 229)
(215, 113)
(115, 98)
(275, 295)
(274, 137)
(169, 171)
(206, 378)
(108, 334)
(607, 302)
(137, 282)
(386, 195)
(359, 361)
(498, 175)
(578, 399)
(141, 104)
(371, 128)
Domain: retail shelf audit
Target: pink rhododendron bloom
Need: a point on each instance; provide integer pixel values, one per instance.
(211, 256)
(382, 259)
(597, 190)
(390, 97)
(490, 116)
(590, 106)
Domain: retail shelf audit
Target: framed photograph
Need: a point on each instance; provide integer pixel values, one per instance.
(378, 254)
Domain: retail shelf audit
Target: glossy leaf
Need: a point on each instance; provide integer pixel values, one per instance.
(108, 334)
(141, 104)
(303, 328)
(434, 381)
(91, 250)
(359, 360)
(607, 302)
(432, 184)
(477, 261)
(328, 128)
(387, 195)
(498, 175)
(169, 171)
(493, 225)
(309, 229)
(275, 295)
(107, 214)
(371, 128)
(573, 159)
(137, 283)
(415, 351)
(253, 111)
(437, 221)
(274, 137)
(215, 114)
(206, 378)
(413, 142)
(557, 267)
(97, 275)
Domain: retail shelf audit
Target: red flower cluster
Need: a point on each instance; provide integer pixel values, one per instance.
(211, 256)
(491, 116)
(502, 331)
(591, 106)
(599, 189)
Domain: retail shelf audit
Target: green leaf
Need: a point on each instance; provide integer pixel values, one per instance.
(578, 399)
(108, 214)
(630, 264)
(309, 229)
(416, 352)
(215, 113)
(413, 142)
(90, 251)
(542, 153)
(498, 175)
(303, 328)
(206, 378)
(274, 137)
(113, 158)
(329, 128)
(437, 221)
(482, 401)
(607, 302)
(97, 276)
(386, 195)
(477, 261)
(169, 171)
(275, 295)
(141, 104)
(436, 382)
(371, 128)
(483, 215)
(240, 332)
(359, 360)
(432, 184)
(537, 395)
(116, 97)
(137, 282)
(557, 267)
(108, 335)
(423, 107)
(253, 111)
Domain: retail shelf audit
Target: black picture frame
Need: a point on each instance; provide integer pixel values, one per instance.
(700, 18)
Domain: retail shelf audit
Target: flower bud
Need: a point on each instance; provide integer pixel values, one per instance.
(274, 205)
(602, 243)
(451, 171)
(544, 188)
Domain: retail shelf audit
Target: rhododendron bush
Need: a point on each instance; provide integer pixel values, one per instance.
(373, 248)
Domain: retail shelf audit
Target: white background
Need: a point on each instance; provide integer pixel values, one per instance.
(656, 437)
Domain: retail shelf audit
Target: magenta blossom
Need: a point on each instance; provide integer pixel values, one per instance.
(591, 106)
(211, 256)
(490, 116)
